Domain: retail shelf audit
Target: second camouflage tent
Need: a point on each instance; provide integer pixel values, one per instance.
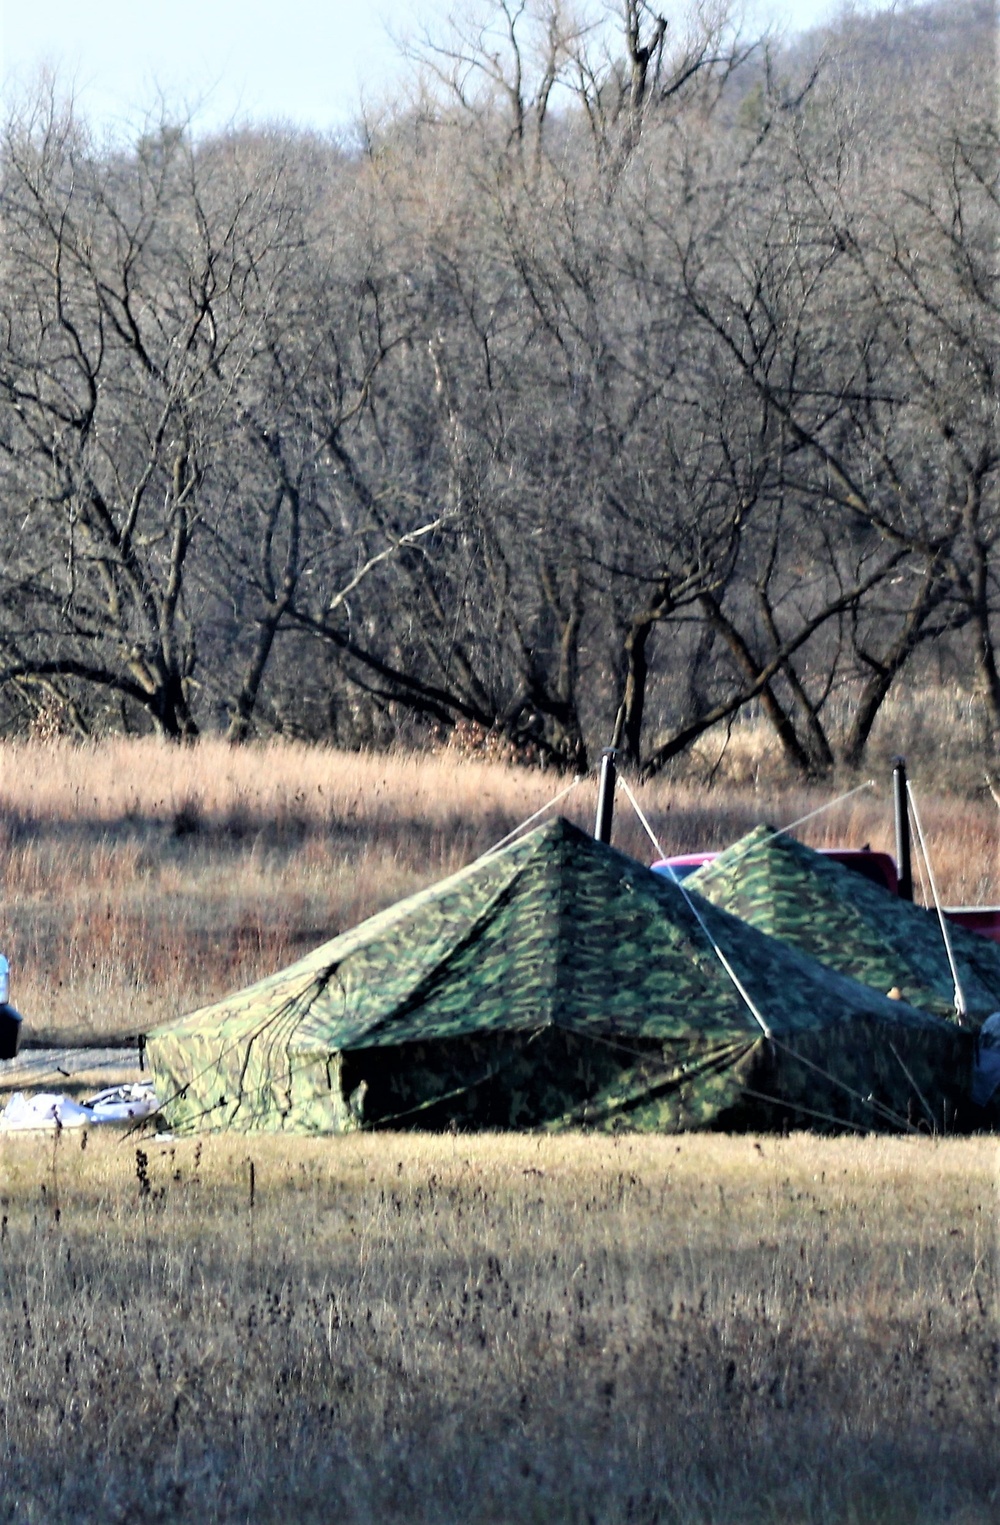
(849, 923)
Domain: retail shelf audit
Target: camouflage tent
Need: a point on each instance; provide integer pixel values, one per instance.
(850, 923)
(551, 984)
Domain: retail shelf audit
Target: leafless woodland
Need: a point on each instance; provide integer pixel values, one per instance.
(630, 376)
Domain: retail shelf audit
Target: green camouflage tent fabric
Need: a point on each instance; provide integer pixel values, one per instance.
(555, 983)
(849, 923)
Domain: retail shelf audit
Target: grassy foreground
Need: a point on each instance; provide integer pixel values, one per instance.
(500, 1329)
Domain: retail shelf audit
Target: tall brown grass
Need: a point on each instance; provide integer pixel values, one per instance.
(500, 1329)
(138, 880)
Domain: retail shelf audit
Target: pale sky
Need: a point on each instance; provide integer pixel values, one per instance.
(296, 61)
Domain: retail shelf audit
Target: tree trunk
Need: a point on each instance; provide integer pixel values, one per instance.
(752, 669)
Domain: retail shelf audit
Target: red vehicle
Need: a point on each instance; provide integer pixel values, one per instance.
(984, 919)
(893, 874)
(877, 866)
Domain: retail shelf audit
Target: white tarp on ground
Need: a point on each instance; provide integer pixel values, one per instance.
(50, 1110)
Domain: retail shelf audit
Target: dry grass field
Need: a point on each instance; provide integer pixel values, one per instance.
(701, 1330)
(139, 880)
(500, 1329)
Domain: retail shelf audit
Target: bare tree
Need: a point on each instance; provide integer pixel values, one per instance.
(129, 311)
(626, 377)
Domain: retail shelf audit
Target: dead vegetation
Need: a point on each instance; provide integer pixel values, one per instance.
(512, 1328)
(138, 880)
(500, 1329)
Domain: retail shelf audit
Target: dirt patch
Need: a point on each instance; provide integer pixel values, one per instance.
(75, 1071)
